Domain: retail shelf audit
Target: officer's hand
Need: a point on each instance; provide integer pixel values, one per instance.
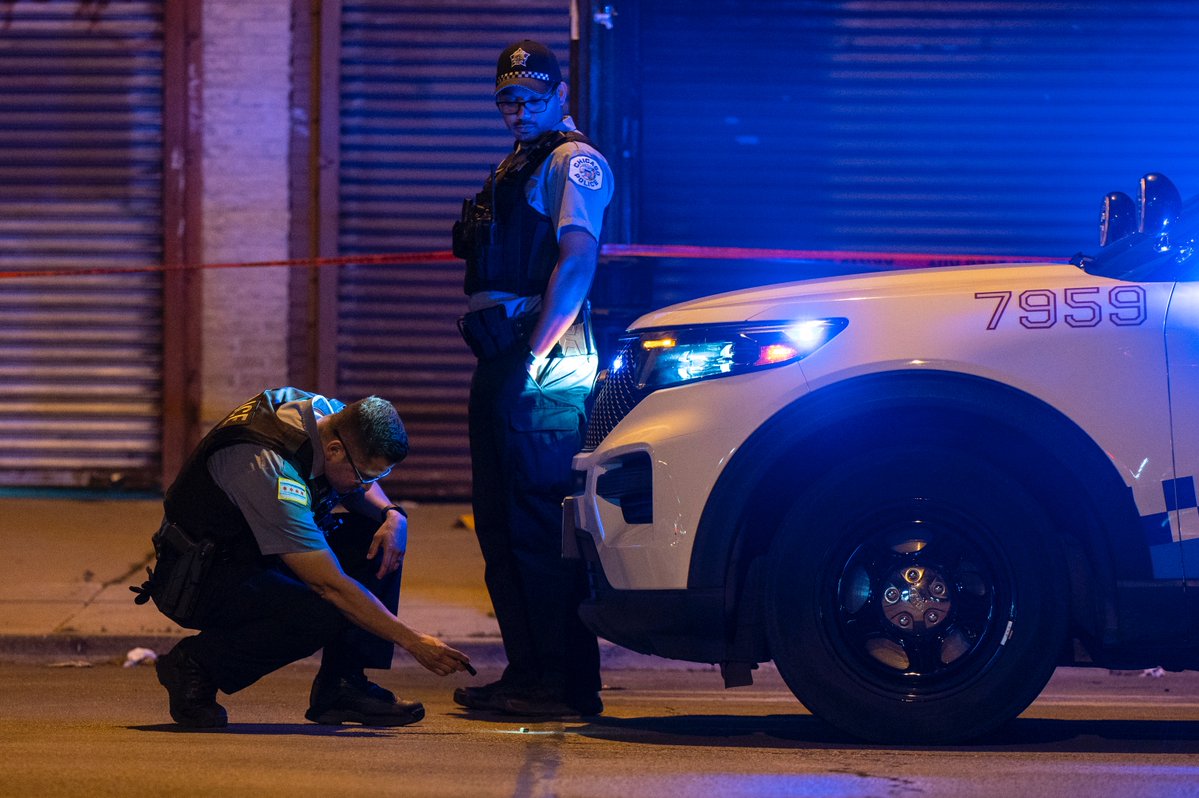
(391, 540)
(535, 365)
(436, 655)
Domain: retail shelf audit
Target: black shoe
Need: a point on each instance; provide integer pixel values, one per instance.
(192, 694)
(543, 703)
(484, 696)
(353, 700)
(360, 681)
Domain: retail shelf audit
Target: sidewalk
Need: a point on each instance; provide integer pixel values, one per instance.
(69, 562)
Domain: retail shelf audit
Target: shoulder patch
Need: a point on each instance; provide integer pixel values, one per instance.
(294, 491)
(586, 172)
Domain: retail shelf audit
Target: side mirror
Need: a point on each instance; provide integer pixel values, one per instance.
(1161, 204)
(1118, 218)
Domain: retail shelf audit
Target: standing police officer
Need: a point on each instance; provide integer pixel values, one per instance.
(251, 554)
(530, 239)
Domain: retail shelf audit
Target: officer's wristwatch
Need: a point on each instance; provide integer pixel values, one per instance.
(395, 507)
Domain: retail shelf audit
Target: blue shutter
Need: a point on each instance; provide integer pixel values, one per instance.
(892, 125)
(419, 132)
(80, 188)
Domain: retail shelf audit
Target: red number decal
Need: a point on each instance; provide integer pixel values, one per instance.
(1004, 297)
(1131, 300)
(1042, 309)
(1127, 306)
(1094, 309)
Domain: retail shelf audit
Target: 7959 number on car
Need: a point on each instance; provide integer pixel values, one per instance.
(1043, 308)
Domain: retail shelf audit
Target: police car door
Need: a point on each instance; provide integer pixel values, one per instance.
(1182, 359)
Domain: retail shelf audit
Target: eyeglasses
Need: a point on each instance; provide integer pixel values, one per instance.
(534, 105)
(361, 479)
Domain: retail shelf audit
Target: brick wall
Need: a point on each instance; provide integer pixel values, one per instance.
(245, 97)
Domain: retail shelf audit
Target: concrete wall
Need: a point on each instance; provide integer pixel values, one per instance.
(245, 100)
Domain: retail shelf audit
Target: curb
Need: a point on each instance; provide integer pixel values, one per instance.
(97, 649)
(92, 648)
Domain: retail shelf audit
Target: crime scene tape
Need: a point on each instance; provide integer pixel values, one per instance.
(899, 260)
(893, 259)
(388, 259)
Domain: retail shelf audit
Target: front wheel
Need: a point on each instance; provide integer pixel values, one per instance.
(916, 597)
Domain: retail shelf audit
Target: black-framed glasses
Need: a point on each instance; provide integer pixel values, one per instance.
(534, 105)
(350, 459)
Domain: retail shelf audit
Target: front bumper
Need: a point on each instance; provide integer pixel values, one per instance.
(682, 624)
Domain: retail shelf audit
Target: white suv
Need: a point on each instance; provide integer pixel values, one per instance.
(916, 492)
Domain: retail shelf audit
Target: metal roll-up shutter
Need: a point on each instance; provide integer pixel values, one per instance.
(419, 131)
(80, 189)
(955, 126)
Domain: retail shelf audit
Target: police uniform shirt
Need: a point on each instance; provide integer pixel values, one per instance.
(268, 490)
(572, 187)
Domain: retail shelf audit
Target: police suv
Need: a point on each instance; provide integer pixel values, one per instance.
(917, 493)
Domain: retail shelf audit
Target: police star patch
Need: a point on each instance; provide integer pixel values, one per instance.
(294, 491)
(586, 172)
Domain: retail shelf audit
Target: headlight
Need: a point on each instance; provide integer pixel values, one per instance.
(666, 357)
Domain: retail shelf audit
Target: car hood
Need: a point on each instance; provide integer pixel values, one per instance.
(780, 301)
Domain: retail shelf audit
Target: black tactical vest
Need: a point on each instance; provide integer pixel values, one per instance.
(197, 503)
(509, 246)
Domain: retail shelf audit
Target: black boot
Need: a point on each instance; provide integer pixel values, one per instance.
(354, 699)
(550, 703)
(491, 696)
(484, 696)
(192, 694)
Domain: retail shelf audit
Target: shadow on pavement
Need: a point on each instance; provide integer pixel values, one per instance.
(805, 731)
(295, 729)
(1095, 736)
(759, 731)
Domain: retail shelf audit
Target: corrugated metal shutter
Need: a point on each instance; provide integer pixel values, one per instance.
(893, 125)
(80, 188)
(418, 134)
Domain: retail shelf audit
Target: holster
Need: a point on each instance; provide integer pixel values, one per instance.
(491, 332)
(579, 338)
(177, 582)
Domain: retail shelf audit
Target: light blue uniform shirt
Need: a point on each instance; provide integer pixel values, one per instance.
(263, 485)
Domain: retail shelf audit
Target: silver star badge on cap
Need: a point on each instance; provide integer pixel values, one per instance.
(519, 57)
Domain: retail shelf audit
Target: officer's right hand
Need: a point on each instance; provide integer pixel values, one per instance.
(535, 366)
(436, 655)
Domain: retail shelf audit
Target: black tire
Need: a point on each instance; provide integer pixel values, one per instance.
(916, 595)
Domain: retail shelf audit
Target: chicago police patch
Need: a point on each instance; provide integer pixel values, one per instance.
(294, 491)
(586, 172)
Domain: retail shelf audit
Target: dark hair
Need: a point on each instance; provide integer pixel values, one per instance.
(374, 424)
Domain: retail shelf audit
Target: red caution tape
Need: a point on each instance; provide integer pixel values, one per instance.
(902, 260)
(370, 260)
(899, 260)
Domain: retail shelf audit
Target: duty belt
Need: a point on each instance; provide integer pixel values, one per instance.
(490, 332)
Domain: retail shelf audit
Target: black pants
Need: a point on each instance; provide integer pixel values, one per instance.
(263, 617)
(522, 438)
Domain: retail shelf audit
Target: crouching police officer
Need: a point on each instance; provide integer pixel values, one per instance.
(252, 555)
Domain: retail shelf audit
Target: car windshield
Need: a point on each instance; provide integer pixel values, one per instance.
(1161, 256)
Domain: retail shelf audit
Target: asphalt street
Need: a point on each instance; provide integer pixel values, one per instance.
(74, 722)
(102, 730)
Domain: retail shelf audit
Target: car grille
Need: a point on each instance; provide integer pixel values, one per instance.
(617, 396)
